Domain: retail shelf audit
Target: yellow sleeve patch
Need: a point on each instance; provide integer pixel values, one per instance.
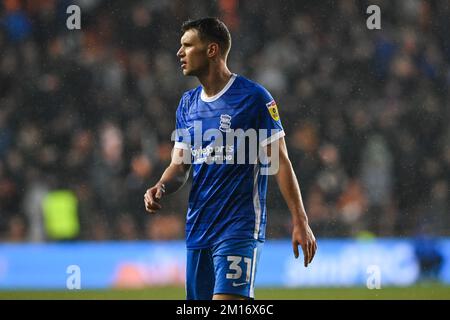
(273, 110)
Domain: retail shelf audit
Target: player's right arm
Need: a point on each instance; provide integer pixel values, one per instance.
(173, 178)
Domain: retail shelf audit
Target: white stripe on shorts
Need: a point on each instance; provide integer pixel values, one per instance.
(252, 277)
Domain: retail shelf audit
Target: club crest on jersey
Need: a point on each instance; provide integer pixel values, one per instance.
(273, 110)
(225, 123)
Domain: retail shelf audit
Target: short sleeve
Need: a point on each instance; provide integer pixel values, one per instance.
(269, 118)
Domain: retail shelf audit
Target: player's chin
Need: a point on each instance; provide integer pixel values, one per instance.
(187, 72)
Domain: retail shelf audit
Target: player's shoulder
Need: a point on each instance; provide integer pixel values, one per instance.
(192, 93)
(260, 95)
(189, 96)
(252, 87)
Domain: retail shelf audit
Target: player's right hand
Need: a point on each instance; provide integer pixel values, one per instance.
(153, 196)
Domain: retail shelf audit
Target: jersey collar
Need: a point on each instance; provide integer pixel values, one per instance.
(217, 96)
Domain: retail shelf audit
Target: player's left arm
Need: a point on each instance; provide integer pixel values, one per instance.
(287, 181)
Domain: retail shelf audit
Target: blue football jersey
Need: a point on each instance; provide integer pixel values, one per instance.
(228, 195)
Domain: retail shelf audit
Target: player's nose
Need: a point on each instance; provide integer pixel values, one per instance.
(180, 53)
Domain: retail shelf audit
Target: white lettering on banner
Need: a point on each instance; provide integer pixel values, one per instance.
(74, 279)
(374, 277)
(348, 266)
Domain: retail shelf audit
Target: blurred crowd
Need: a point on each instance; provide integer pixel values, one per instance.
(86, 115)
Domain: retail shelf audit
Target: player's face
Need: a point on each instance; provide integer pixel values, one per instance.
(192, 54)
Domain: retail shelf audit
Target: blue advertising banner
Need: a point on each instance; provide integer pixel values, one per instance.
(340, 263)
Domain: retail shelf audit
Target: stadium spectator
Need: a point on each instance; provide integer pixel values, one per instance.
(85, 106)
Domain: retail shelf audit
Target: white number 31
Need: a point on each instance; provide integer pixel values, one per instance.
(234, 266)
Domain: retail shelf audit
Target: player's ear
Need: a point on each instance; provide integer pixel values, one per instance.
(213, 49)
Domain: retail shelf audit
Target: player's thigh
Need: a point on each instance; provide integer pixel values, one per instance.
(199, 274)
(235, 265)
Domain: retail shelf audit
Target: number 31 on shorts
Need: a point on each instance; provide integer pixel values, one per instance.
(234, 266)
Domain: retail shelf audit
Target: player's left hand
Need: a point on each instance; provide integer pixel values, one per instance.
(153, 197)
(302, 235)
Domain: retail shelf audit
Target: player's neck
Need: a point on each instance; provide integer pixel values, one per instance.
(215, 80)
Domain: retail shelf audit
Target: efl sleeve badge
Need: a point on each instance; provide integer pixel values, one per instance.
(273, 110)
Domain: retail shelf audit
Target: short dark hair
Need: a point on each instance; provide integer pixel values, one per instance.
(211, 29)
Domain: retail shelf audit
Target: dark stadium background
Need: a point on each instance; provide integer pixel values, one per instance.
(91, 112)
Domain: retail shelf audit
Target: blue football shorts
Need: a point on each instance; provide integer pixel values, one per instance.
(225, 268)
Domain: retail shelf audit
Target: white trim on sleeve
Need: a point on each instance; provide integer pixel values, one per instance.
(182, 145)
